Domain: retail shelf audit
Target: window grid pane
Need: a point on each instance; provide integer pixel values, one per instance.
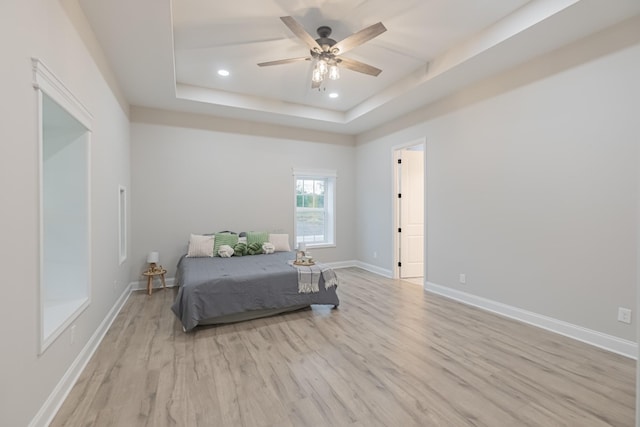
(311, 215)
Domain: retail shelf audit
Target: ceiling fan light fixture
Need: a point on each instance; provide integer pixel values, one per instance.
(334, 72)
(316, 76)
(322, 66)
(324, 51)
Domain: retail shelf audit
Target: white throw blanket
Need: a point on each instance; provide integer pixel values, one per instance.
(309, 277)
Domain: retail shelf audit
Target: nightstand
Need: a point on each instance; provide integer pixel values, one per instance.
(151, 274)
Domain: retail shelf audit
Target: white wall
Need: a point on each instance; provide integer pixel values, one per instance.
(189, 177)
(40, 28)
(65, 219)
(531, 185)
(531, 189)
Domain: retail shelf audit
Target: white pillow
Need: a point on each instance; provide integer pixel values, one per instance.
(280, 242)
(200, 246)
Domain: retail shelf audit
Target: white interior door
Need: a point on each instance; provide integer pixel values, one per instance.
(411, 213)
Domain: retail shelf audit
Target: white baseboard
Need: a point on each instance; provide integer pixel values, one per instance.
(55, 400)
(141, 285)
(341, 264)
(595, 338)
(374, 269)
(363, 265)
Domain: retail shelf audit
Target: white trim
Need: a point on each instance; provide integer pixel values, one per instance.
(375, 269)
(598, 339)
(341, 264)
(46, 81)
(55, 400)
(320, 245)
(331, 173)
(141, 285)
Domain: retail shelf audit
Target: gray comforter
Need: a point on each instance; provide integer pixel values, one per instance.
(216, 287)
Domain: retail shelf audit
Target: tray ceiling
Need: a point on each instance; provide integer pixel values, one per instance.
(166, 54)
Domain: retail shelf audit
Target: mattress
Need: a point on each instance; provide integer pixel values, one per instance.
(219, 290)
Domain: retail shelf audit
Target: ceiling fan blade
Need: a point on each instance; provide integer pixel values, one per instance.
(358, 66)
(358, 38)
(283, 61)
(302, 34)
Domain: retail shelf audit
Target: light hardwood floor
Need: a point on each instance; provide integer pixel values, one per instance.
(391, 355)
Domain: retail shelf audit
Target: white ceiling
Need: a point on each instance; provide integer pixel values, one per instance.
(165, 54)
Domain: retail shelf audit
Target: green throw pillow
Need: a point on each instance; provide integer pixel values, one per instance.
(240, 249)
(254, 248)
(224, 239)
(257, 237)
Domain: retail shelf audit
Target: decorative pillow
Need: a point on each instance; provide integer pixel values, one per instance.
(257, 237)
(225, 251)
(242, 239)
(254, 248)
(280, 242)
(268, 248)
(240, 249)
(200, 246)
(224, 239)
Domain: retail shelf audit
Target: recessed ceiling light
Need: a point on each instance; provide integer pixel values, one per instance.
(223, 73)
(333, 95)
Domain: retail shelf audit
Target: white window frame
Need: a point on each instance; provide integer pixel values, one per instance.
(330, 176)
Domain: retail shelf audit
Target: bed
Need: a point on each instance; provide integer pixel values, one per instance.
(217, 290)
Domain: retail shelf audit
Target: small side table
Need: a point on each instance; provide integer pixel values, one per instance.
(151, 274)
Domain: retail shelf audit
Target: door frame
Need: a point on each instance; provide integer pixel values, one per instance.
(395, 238)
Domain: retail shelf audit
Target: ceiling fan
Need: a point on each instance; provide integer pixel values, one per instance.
(327, 52)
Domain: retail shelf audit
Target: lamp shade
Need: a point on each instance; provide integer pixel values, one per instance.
(153, 257)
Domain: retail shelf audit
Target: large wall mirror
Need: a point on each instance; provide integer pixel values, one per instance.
(65, 243)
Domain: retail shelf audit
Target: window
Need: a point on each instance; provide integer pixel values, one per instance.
(315, 207)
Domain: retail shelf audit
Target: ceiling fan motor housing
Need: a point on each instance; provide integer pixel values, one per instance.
(324, 41)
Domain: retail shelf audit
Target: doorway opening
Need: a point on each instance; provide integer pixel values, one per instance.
(409, 211)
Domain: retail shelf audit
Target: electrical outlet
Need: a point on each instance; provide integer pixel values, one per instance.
(73, 334)
(463, 278)
(624, 315)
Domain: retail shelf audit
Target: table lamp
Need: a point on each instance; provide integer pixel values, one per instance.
(153, 259)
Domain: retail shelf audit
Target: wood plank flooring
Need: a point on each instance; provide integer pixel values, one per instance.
(391, 355)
